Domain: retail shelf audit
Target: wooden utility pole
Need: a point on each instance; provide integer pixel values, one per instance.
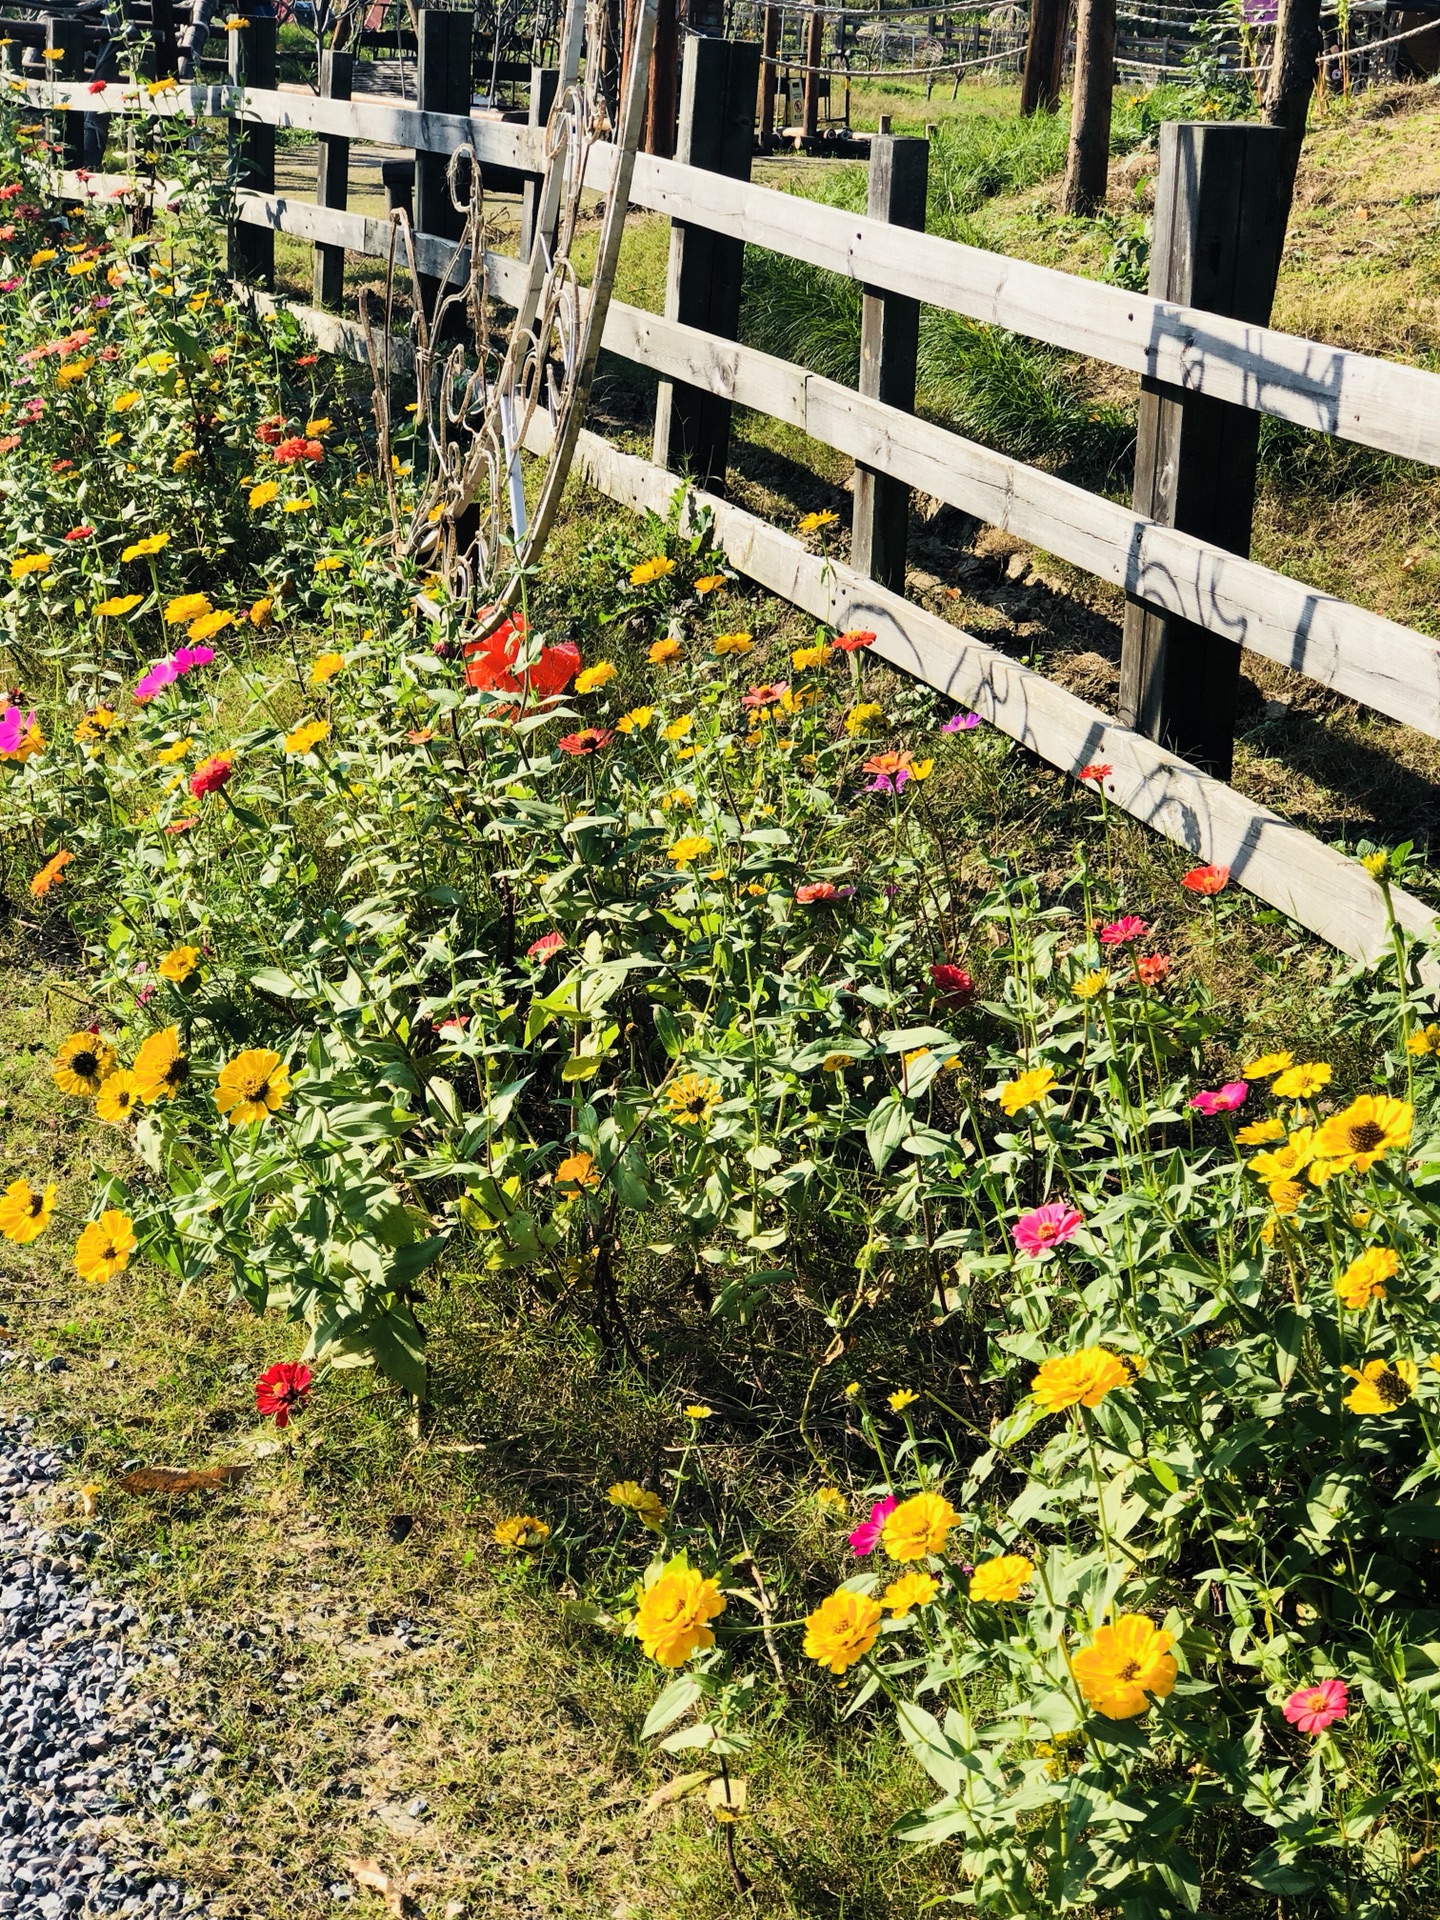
(769, 74)
(1044, 56)
(1088, 162)
(660, 101)
(814, 40)
(1298, 45)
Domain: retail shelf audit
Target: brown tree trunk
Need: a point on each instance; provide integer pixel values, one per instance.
(1293, 66)
(1089, 159)
(1044, 56)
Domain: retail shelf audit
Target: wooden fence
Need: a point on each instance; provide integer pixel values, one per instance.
(1206, 376)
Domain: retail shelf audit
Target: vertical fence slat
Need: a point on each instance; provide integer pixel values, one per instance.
(889, 343)
(252, 64)
(1219, 226)
(442, 86)
(332, 179)
(814, 42)
(544, 85)
(717, 119)
(769, 74)
(67, 38)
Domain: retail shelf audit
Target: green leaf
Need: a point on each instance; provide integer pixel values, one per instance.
(886, 1128)
(677, 1699)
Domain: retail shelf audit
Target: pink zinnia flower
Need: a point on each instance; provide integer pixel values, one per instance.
(14, 726)
(547, 944)
(767, 696)
(1313, 1709)
(952, 983)
(1045, 1227)
(961, 723)
(821, 893)
(1222, 1099)
(1128, 927)
(866, 1536)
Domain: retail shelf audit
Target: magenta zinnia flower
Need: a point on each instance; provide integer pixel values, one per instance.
(14, 726)
(866, 1536)
(1119, 932)
(1221, 1099)
(1313, 1709)
(1045, 1227)
(961, 723)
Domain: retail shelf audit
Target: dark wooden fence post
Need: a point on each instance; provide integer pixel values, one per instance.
(1044, 56)
(769, 74)
(814, 42)
(544, 85)
(252, 64)
(1219, 229)
(889, 341)
(67, 38)
(717, 126)
(1088, 161)
(332, 179)
(442, 86)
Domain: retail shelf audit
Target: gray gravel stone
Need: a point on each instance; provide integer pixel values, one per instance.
(77, 1740)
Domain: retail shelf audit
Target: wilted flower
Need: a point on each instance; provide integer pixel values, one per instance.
(521, 1530)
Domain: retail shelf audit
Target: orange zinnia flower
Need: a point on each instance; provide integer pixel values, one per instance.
(51, 873)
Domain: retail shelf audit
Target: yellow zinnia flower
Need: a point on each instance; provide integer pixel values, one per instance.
(593, 678)
(911, 1590)
(119, 603)
(522, 1530)
(692, 1099)
(325, 667)
(1260, 1132)
(842, 1629)
(24, 1212)
(161, 1068)
(209, 624)
(710, 582)
(1079, 1379)
(811, 522)
(1124, 1665)
(663, 650)
(732, 643)
(863, 716)
(105, 1247)
(1299, 1082)
(1002, 1578)
(262, 495)
(918, 1526)
(689, 847)
(1027, 1089)
(186, 607)
(671, 1621)
(74, 371)
(1365, 1131)
(306, 736)
(1267, 1064)
(649, 570)
(1381, 1386)
(27, 563)
(82, 1064)
(251, 1086)
(647, 1507)
(677, 729)
(180, 963)
(807, 657)
(635, 721)
(145, 549)
(1364, 1279)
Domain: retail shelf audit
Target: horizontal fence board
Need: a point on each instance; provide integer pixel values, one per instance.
(1353, 396)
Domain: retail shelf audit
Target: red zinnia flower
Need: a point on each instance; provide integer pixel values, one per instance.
(852, 640)
(12, 192)
(211, 774)
(308, 360)
(547, 944)
(1206, 880)
(821, 893)
(767, 696)
(291, 452)
(953, 983)
(1128, 927)
(588, 741)
(282, 1390)
(95, 86)
(1152, 969)
(80, 533)
(182, 826)
(1097, 771)
(272, 431)
(61, 466)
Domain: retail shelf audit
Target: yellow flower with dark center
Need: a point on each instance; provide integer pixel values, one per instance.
(1286, 1162)
(180, 963)
(842, 1630)
(1266, 1065)
(732, 643)
(251, 1086)
(262, 495)
(521, 1530)
(118, 1100)
(1365, 1131)
(812, 522)
(1027, 1089)
(186, 607)
(1090, 984)
(1299, 1082)
(325, 667)
(27, 563)
(1124, 1666)
(1079, 1379)
(118, 604)
(593, 678)
(902, 1398)
(918, 1526)
(82, 1064)
(161, 1068)
(689, 847)
(105, 1247)
(96, 724)
(307, 736)
(1002, 1578)
(1260, 1132)
(577, 1170)
(833, 1062)
(663, 650)
(1381, 1386)
(911, 1590)
(1426, 1040)
(649, 570)
(672, 1619)
(25, 1212)
(647, 1507)
(692, 1099)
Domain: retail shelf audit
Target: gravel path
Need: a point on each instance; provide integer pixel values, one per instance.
(80, 1739)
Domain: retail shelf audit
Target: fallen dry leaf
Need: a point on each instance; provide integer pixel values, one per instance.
(181, 1479)
(675, 1789)
(375, 1879)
